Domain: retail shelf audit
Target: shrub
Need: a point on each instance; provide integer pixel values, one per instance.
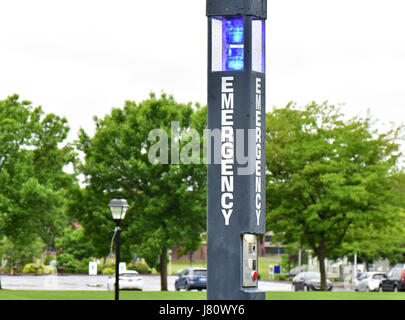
(280, 277)
(4, 269)
(140, 266)
(68, 261)
(33, 268)
(83, 266)
(108, 270)
(48, 259)
(47, 270)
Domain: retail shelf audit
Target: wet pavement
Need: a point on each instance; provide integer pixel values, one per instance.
(72, 282)
(99, 282)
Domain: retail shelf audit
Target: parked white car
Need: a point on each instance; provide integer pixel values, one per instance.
(369, 281)
(129, 279)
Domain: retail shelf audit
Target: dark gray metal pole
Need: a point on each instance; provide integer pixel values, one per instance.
(117, 260)
(236, 147)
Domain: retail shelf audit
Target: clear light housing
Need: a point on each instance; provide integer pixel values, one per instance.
(258, 38)
(118, 208)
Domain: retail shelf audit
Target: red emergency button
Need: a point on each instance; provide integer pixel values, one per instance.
(254, 275)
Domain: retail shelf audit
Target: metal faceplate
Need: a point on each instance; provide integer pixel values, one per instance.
(249, 266)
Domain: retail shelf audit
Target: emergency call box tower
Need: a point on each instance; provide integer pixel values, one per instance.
(236, 147)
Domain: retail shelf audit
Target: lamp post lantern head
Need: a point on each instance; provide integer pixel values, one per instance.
(118, 208)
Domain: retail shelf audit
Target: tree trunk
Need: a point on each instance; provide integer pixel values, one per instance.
(322, 271)
(366, 262)
(163, 270)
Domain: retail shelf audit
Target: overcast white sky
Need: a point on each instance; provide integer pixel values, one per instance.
(81, 58)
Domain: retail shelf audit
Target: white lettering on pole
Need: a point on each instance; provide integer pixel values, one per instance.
(227, 84)
(227, 215)
(227, 184)
(227, 100)
(227, 148)
(227, 134)
(258, 197)
(226, 202)
(227, 117)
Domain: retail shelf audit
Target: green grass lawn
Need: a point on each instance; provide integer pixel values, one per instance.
(193, 295)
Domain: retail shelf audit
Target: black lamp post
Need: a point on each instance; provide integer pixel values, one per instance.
(118, 209)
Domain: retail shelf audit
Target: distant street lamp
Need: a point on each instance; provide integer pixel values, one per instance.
(118, 209)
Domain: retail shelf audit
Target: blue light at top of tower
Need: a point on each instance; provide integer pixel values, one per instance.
(234, 30)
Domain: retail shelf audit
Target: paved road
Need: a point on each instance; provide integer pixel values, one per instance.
(99, 282)
(73, 282)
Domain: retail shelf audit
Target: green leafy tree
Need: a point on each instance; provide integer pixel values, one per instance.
(18, 254)
(167, 200)
(75, 242)
(386, 241)
(33, 183)
(327, 178)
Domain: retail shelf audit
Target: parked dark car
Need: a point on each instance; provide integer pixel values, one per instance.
(294, 271)
(394, 280)
(191, 278)
(309, 281)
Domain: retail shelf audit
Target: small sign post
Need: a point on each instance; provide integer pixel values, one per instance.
(92, 268)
